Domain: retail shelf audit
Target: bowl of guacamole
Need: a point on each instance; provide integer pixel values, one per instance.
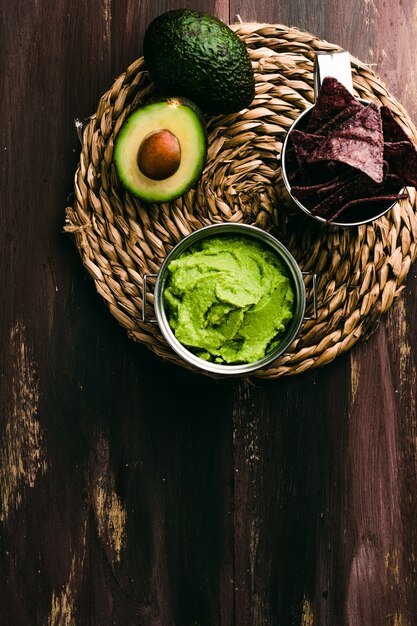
(229, 298)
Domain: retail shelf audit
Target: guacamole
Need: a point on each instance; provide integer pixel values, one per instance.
(228, 299)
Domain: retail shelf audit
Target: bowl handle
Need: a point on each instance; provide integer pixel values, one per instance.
(315, 307)
(144, 295)
(335, 64)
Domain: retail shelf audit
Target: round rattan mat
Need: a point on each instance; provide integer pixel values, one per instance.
(359, 270)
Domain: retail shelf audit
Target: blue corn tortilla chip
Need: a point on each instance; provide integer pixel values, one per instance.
(348, 188)
(313, 194)
(341, 117)
(357, 142)
(332, 99)
(402, 159)
(365, 202)
(390, 127)
(305, 144)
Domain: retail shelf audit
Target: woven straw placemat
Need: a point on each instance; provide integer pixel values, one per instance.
(360, 270)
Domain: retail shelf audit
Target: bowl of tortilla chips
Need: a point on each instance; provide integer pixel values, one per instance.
(346, 161)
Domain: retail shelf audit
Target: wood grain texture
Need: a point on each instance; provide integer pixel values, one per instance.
(133, 492)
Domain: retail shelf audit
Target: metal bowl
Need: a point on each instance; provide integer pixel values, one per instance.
(354, 218)
(213, 231)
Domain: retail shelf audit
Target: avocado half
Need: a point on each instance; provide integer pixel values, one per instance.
(198, 56)
(161, 149)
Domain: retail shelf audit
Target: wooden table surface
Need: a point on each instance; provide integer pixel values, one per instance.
(133, 492)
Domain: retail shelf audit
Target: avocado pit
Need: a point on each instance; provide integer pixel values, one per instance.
(159, 155)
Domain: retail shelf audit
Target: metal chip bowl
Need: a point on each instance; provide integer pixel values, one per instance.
(285, 188)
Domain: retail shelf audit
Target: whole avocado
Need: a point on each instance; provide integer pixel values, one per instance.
(194, 54)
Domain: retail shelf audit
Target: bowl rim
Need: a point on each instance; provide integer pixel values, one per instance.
(273, 243)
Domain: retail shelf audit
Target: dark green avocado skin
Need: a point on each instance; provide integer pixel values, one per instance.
(193, 54)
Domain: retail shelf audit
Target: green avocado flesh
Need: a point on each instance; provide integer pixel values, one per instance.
(182, 121)
(195, 55)
(229, 299)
